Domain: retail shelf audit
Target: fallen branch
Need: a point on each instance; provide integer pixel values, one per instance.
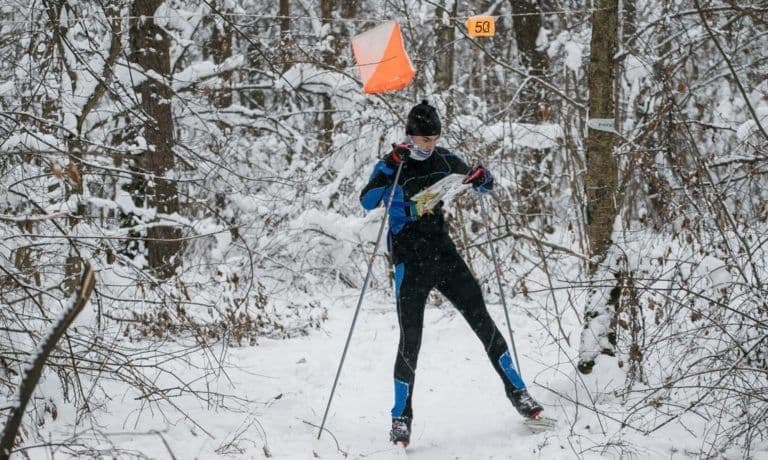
(28, 384)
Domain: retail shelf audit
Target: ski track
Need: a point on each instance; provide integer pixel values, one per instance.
(460, 408)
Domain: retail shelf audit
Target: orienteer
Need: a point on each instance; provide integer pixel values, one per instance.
(425, 257)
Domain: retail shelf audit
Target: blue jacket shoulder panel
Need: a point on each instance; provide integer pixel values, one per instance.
(378, 185)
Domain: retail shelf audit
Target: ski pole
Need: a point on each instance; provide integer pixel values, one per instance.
(362, 293)
(495, 258)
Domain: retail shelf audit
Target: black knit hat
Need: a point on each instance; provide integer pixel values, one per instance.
(423, 121)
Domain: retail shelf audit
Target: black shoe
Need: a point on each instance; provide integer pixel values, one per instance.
(525, 404)
(401, 431)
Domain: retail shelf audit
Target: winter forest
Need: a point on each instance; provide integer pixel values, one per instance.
(182, 245)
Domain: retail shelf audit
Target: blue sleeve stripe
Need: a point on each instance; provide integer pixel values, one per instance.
(489, 181)
(381, 167)
(373, 197)
(487, 184)
(397, 214)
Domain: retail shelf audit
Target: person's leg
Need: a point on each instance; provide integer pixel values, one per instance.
(411, 290)
(460, 287)
(462, 290)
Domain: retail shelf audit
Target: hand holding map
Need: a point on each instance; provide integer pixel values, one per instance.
(445, 190)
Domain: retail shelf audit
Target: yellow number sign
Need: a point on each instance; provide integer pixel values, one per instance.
(481, 26)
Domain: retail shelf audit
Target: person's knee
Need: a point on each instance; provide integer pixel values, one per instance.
(410, 356)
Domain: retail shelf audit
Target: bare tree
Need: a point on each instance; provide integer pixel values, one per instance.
(36, 369)
(535, 106)
(445, 60)
(219, 48)
(285, 31)
(600, 181)
(150, 50)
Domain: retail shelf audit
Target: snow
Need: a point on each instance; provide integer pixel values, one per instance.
(299, 220)
(31, 141)
(567, 44)
(535, 136)
(573, 53)
(277, 391)
(461, 410)
(311, 78)
(7, 88)
(339, 227)
(129, 74)
(715, 271)
(198, 71)
(749, 127)
(634, 69)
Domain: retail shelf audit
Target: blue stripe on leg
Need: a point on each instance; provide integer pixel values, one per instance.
(401, 396)
(505, 361)
(399, 274)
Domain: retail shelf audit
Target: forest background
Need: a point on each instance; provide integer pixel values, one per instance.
(205, 159)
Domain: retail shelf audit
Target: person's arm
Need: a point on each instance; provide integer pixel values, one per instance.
(383, 175)
(378, 189)
(480, 178)
(380, 181)
(482, 182)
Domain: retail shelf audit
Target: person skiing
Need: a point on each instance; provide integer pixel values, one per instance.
(425, 257)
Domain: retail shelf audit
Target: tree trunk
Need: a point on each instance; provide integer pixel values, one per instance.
(444, 65)
(600, 183)
(533, 106)
(526, 26)
(285, 33)
(602, 172)
(330, 58)
(150, 49)
(219, 48)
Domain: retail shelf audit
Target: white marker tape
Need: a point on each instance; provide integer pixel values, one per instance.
(601, 124)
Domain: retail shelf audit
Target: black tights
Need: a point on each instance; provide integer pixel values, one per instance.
(448, 273)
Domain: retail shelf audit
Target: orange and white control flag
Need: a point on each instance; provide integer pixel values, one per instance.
(381, 59)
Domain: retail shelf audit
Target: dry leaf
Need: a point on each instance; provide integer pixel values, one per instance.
(74, 174)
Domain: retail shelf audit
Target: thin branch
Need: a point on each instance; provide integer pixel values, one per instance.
(733, 71)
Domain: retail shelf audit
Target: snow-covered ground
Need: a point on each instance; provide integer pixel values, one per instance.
(276, 393)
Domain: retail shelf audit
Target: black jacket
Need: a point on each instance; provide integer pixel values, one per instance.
(412, 237)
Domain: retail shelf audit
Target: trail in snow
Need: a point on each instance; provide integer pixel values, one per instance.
(460, 409)
(276, 392)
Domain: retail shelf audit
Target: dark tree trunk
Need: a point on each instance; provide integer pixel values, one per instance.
(602, 171)
(600, 182)
(526, 26)
(150, 49)
(285, 33)
(533, 106)
(219, 48)
(330, 58)
(444, 65)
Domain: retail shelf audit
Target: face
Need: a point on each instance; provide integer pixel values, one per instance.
(425, 143)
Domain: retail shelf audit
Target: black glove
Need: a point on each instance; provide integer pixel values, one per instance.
(477, 176)
(399, 154)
